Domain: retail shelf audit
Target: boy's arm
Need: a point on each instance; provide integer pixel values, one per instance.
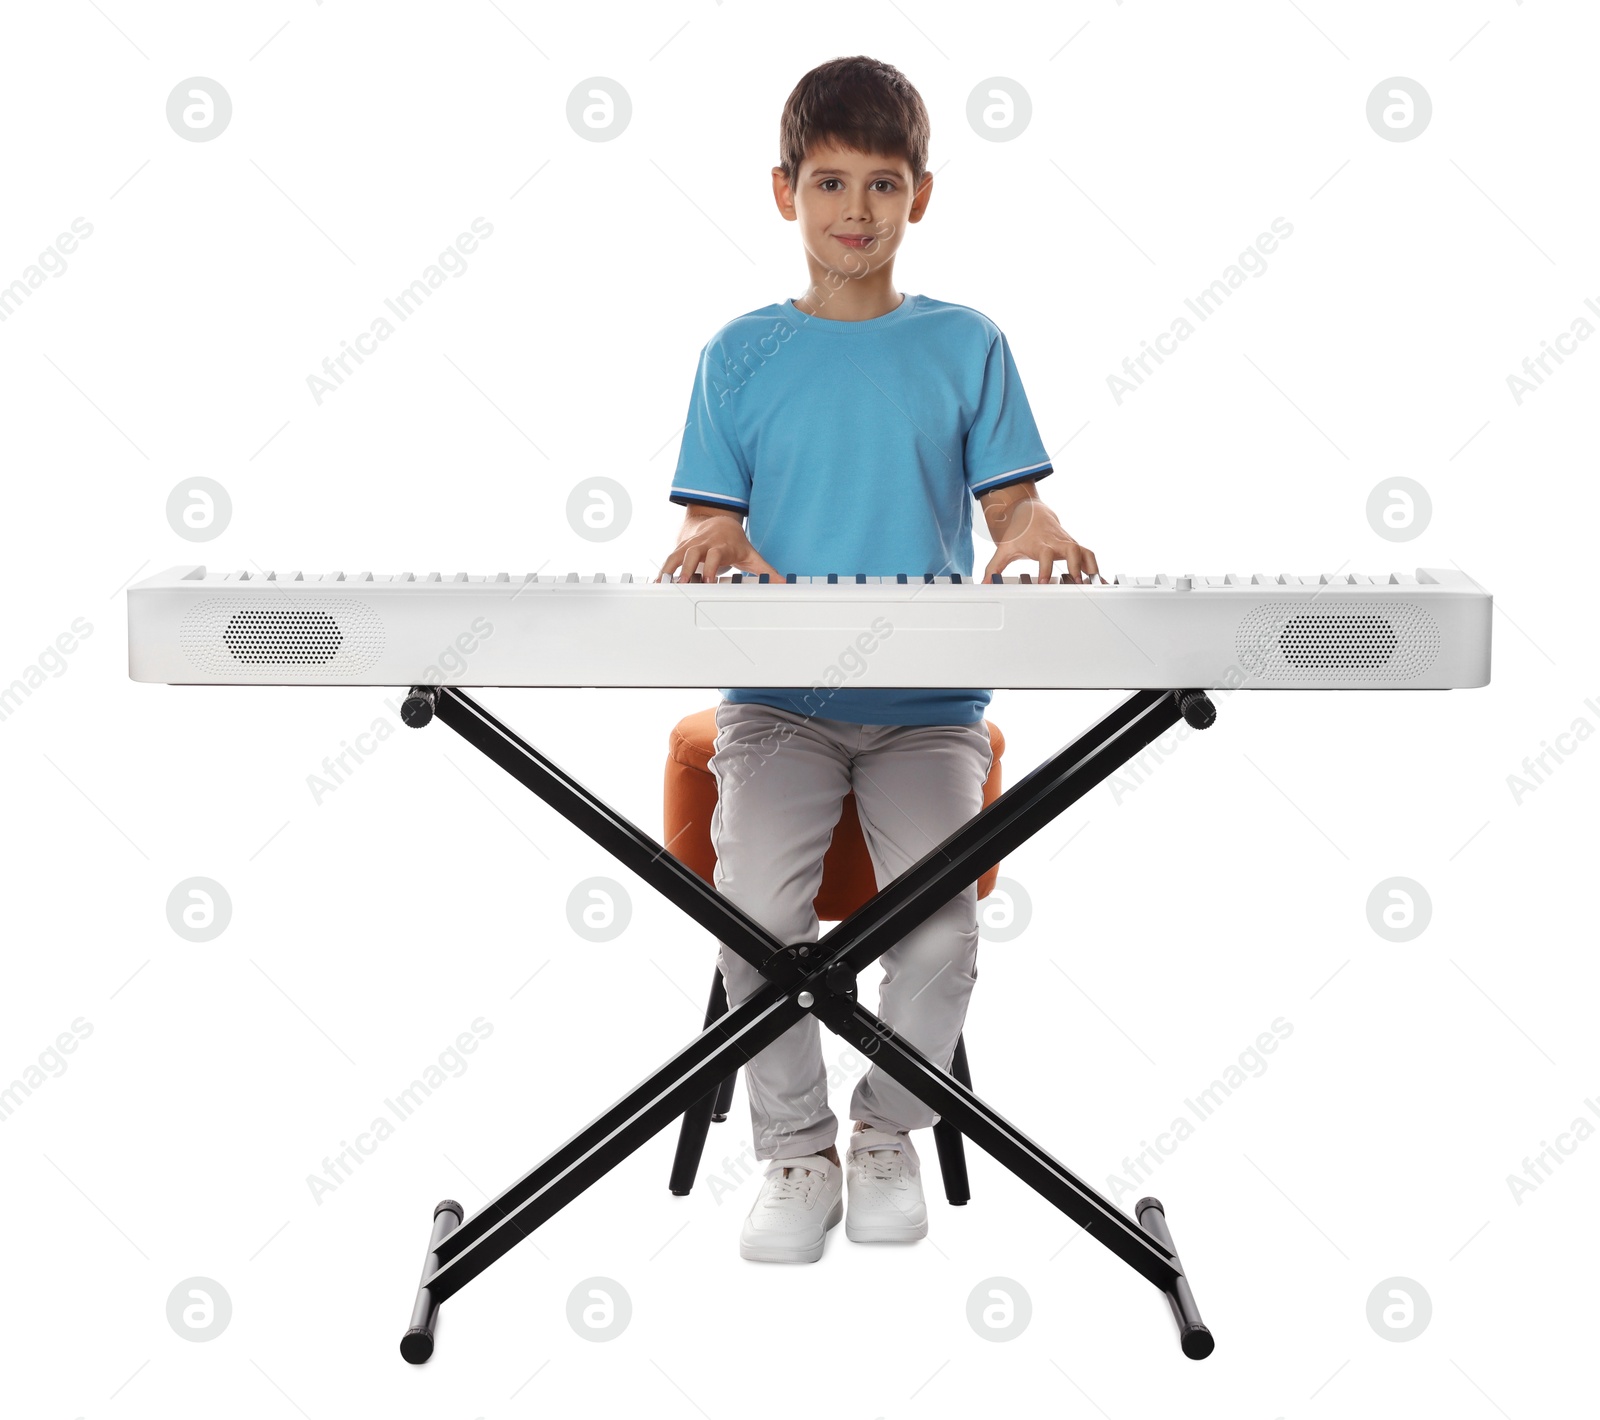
(712, 540)
(1024, 528)
(1003, 446)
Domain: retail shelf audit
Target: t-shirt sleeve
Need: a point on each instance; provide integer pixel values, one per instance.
(1003, 445)
(711, 459)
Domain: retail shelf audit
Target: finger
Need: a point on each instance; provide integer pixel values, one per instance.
(758, 564)
(999, 562)
(705, 571)
(1046, 564)
(673, 559)
(1074, 562)
(713, 565)
(1090, 566)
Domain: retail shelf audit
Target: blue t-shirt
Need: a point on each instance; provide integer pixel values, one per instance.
(858, 447)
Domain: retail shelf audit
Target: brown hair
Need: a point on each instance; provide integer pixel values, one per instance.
(859, 103)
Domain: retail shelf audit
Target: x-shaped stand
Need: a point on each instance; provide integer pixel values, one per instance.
(817, 977)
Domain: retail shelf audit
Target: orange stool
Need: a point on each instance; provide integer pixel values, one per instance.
(848, 881)
(691, 796)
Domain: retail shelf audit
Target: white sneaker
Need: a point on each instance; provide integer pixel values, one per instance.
(886, 1202)
(800, 1199)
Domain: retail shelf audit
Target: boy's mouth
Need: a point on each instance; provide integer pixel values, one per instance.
(856, 243)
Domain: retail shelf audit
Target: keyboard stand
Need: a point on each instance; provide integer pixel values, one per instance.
(819, 977)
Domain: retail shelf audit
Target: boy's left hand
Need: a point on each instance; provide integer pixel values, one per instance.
(1026, 529)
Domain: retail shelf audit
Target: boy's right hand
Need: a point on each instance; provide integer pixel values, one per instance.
(711, 543)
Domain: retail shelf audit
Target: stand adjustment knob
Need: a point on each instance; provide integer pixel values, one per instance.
(418, 706)
(841, 980)
(1197, 709)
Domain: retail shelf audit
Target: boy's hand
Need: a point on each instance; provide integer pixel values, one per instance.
(710, 542)
(1025, 529)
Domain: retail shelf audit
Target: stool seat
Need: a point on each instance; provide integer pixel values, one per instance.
(690, 796)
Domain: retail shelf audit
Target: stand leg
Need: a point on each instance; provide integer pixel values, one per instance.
(1029, 805)
(417, 1344)
(800, 977)
(998, 1137)
(629, 845)
(1193, 1334)
(600, 1146)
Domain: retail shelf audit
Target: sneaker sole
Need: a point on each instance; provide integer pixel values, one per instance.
(770, 1252)
(887, 1232)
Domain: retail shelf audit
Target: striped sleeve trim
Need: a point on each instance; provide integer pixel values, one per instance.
(698, 495)
(1016, 475)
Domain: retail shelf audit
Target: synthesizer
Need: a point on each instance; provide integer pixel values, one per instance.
(1429, 630)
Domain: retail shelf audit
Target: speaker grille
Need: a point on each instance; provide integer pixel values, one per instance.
(262, 636)
(1374, 642)
(268, 637)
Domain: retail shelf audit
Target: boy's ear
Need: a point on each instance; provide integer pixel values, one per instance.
(919, 203)
(783, 195)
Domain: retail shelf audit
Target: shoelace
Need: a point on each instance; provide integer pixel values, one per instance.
(792, 1182)
(877, 1167)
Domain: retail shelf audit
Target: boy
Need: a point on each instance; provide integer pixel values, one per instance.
(851, 425)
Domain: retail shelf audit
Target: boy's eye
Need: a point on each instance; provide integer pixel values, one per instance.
(886, 183)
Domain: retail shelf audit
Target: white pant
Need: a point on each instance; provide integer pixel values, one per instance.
(781, 783)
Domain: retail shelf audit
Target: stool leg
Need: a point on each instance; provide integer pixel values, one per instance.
(719, 1111)
(947, 1138)
(719, 1007)
(713, 1104)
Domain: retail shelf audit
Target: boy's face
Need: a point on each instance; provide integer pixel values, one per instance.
(852, 208)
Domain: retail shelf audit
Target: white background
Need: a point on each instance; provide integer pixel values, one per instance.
(1227, 890)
